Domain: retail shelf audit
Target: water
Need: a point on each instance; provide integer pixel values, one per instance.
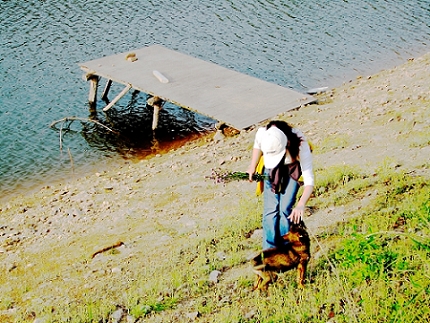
(296, 44)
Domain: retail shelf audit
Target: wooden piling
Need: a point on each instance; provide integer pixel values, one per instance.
(157, 103)
(155, 117)
(92, 96)
(106, 90)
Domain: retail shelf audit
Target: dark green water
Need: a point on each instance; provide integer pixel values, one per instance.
(297, 44)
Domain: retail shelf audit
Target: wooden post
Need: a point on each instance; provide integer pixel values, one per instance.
(106, 91)
(157, 109)
(92, 97)
(119, 96)
(157, 103)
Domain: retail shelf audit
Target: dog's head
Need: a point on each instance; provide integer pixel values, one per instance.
(297, 233)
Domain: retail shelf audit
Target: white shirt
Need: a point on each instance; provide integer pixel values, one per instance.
(305, 155)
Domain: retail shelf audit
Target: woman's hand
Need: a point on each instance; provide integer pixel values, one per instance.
(250, 171)
(297, 214)
(299, 211)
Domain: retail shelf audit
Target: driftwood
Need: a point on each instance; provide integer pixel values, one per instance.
(83, 120)
(116, 245)
(71, 119)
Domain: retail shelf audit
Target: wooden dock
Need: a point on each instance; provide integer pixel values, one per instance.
(225, 95)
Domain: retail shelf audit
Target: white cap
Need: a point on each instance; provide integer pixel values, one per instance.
(273, 145)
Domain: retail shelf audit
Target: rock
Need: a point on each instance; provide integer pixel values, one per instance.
(192, 315)
(213, 277)
(249, 315)
(219, 136)
(117, 315)
(221, 255)
(130, 319)
(257, 234)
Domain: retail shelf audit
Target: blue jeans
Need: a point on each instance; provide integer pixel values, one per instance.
(277, 207)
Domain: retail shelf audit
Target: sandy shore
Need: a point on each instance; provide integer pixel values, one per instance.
(383, 118)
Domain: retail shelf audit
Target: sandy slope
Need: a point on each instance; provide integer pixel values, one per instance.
(365, 122)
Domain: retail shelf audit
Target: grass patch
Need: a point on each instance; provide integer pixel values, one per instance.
(376, 269)
(339, 185)
(332, 142)
(419, 139)
(383, 256)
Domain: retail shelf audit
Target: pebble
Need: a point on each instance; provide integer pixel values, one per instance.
(193, 315)
(117, 315)
(213, 276)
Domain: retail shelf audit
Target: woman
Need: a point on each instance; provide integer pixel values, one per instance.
(286, 155)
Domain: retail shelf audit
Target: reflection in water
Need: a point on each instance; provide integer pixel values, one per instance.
(131, 124)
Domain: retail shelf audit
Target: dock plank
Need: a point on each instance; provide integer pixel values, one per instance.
(223, 94)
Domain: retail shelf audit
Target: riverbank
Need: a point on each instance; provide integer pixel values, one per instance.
(47, 238)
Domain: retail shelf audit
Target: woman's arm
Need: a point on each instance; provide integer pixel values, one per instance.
(298, 212)
(306, 164)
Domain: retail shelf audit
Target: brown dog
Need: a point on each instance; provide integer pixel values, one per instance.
(295, 254)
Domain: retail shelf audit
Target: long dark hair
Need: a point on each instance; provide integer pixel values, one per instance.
(294, 141)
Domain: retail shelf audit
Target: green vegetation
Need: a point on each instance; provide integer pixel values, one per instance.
(372, 268)
(332, 142)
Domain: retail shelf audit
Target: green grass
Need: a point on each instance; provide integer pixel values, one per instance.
(332, 142)
(373, 268)
(340, 185)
